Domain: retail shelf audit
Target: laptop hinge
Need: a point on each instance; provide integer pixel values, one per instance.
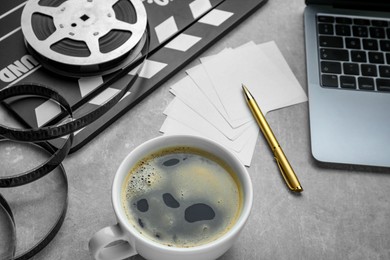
(367, 5)
(377, 5)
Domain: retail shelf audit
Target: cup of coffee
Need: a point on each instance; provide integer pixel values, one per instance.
(176, 197)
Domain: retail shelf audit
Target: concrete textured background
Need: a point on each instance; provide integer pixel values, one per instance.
(344, 212)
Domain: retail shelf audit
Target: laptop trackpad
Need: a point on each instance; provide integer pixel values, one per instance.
(351, 126)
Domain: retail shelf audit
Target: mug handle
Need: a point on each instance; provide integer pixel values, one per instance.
(110, 243)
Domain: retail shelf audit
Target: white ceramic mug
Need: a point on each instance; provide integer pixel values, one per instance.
(123, 240)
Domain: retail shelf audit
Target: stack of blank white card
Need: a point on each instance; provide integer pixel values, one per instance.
(209, 101)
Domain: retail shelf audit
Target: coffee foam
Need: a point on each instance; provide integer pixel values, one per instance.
(192, 180)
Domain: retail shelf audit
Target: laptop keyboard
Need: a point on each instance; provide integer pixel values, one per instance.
(354, 52)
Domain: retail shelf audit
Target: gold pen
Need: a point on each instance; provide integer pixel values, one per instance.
(284, 166)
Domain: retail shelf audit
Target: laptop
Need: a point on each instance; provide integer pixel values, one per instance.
(348, 71)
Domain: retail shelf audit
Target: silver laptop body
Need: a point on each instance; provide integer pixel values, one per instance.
(347, 126)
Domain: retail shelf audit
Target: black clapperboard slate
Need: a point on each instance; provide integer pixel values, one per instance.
(86, 94)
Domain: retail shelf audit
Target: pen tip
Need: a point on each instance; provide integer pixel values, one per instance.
(298, 189)
(247, 94)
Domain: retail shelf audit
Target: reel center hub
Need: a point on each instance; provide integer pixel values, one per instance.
(85, 20)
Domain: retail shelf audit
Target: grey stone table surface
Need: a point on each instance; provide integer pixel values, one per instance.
(343, 213)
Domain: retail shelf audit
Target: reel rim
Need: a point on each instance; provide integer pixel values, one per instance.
(97, 62)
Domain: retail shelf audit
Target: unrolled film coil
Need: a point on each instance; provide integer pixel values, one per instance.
(50, 132)
(57, 155)
(84, 37)
(136, 57)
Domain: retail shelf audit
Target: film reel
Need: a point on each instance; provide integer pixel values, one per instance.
(84, 37)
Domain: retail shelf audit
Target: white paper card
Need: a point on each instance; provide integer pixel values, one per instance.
(174, 127)
(209, 102)
(188, 92)
(179, 111)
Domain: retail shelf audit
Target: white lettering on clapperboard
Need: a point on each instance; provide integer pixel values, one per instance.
(18, 68)
(159, 2)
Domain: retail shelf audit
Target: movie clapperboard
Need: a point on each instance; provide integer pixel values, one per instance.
(196, 24)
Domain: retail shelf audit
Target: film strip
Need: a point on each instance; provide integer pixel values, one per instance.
(118, 39)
